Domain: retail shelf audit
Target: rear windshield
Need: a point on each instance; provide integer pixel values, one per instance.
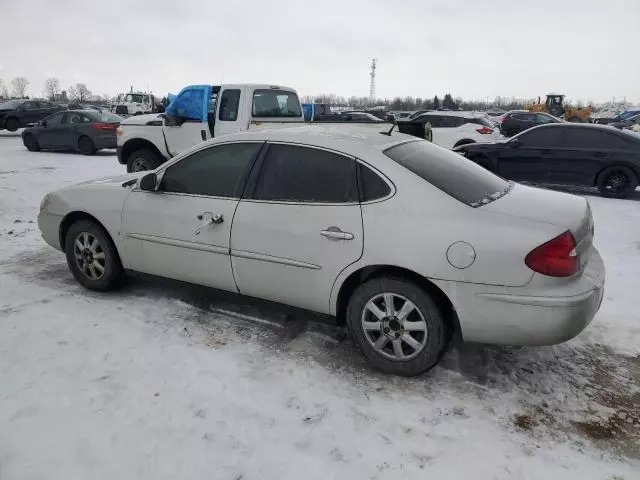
(450, 172)
(275, 103)
(103, 117)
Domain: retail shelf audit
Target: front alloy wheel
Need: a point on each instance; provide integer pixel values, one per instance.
(89, 255)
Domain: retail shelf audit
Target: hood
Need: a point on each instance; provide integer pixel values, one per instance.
(141, 119)
(117, 180)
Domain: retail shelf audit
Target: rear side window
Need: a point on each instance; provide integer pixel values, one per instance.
(592, 138)
(450, 172)
(275, 103)
(434, 120)
(218, 171)
(372, 187)
(451, 122)
(294, 173)
(485, 122)
(229, 105)
(523, 117)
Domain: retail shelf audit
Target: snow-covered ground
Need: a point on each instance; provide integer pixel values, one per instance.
(163, 381)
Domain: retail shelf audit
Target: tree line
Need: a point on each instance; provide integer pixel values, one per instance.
(51, 90)
(419, 103)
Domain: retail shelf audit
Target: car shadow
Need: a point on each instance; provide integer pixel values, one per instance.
(576, 388)
(99, 153)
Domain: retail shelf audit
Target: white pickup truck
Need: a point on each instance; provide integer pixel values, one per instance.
(146, 141)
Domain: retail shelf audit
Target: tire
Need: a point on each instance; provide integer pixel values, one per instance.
(142, 160)
(429, 344)
(12, 124)
(86, 146)
(617, 182)
(31, 142)
(81, 251)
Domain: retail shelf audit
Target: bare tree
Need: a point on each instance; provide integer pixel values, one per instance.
(4, 93)
(79, 93)
(51, 88)
(19, 85)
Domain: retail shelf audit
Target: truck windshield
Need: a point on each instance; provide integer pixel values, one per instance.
(275, 103)
(135, 98)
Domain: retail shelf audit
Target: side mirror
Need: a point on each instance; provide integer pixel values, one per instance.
(148, 182)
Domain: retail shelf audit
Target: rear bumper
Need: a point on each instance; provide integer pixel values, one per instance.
(105, 141)
(526, 316)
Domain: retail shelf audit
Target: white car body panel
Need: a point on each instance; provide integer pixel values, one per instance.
(275, 250)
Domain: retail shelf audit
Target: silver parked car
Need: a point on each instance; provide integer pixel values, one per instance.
(403, 241)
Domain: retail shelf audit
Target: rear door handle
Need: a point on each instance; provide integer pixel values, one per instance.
(334, 233)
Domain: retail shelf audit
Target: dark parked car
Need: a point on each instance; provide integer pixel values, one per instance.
(352, 117)
(516, 122)
(566, 153)
(16, 114)
(84, 130)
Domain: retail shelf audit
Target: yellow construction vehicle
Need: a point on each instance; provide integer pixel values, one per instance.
(555, 106)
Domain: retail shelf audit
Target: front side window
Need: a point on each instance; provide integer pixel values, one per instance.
(29, 106)
(229, 102)
(218, 171)
(75, 118)
(541, 137)
(452, 173)
(275, 103)
(294, 173)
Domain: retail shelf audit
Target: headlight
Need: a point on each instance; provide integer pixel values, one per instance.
(45, 201)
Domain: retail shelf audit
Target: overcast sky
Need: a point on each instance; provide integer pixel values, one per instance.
(587, 49)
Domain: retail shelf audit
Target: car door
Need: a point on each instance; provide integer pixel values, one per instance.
(186, 122)
(586, 152)
(530, 155)
(182, 230)
(436, 131)
(447, 133)
(230, 105)
(52, 128)
(299, 226)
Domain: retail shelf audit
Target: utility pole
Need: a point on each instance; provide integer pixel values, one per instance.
(372, 85)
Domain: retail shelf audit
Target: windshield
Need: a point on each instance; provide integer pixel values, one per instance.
(11, 104)
(135, 98)
(275, 103)
(452, 173)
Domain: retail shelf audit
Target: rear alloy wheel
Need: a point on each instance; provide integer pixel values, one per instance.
(617, 182)
(12, 124)
(86, 146)
(397, 326)
(142, 160)
(31, 142)
(92, 257)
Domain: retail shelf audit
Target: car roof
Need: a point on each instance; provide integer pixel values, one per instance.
(455, 113)
(592, 126)
(346, 138)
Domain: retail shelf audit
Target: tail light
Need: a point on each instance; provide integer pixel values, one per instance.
(484, 130)
(556, 258)
(105, 126)
(119, 131)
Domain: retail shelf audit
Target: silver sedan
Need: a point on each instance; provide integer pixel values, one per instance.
(404, 242)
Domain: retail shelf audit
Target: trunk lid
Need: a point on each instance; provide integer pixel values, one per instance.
(566, 211)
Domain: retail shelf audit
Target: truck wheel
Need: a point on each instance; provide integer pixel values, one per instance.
(12, 124)
(142, 160)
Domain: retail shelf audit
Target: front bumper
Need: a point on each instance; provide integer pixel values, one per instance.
(530, 316)
(49, 225)
(119, 155)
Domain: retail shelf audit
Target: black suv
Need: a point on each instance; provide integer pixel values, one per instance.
(516, 122)
(16, 114)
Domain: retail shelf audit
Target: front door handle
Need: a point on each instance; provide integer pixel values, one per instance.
(208, 218)
(334, 233)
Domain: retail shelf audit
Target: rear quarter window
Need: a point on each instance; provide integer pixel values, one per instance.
(452, 173)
